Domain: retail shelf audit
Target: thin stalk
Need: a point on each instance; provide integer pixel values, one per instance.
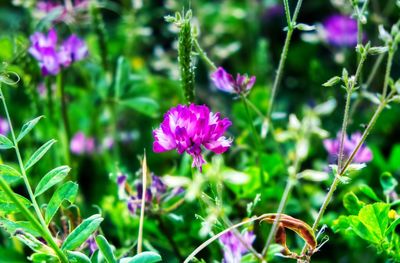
(39, 215)
(387, 74)
(141, 220)
(65, 136)
(256, 139)
(203, 55)
(360, 24)
(282, 204)
(281, 66)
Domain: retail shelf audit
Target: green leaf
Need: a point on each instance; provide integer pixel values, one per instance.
(371, 222)
(392, 226)
(27, 127)
(39, 154)
(365, 189)
(351, 203)
(388, 182)
(143, 105)
(8, 206)
(77, 257)
(121, 76)
(394, 158)
(41, 257)
(66, 192)
(105, 249)
(9, 174)
(144, 257)
(8, 254)
(5, 143)
(51, 178)
(82, 232)
(11, 226)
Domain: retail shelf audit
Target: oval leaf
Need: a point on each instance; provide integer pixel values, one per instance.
(9, 173)
(51, 178)
(143, 105)
(39, 154)
(27, 127)
(66, 192)
(82, 232)
(144, 257)
(105, 249)
(77, 257)
(5, 143)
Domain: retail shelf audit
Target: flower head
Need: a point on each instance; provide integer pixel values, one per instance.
(81, 144)
(225, 82)
(188, 128)
(332, 146)
(4, 127)
(45, 50)
(234, 247)
(340, 31)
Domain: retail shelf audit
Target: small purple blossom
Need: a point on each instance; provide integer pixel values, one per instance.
(121, 181)
(133, 204)
(340, 30)
(233, 246)
(225, 82)
(92, 245)
(4, 127)
(332, 146)
(188, 128)
(73, 12)
(45, 50)
(80, 144)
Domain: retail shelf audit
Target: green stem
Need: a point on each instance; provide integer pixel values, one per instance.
(39, 215)
(65, 136)
(387, 74)
(143, 203)
(282, 62)
(203, 55)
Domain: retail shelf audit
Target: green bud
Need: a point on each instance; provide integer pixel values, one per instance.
(332, 81)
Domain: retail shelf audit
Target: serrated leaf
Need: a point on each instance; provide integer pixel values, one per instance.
(36, 156)
(51, 178)
(143, 105)
(77, 257)
(371, 222)
(66, 192)
(144, 257)
(9, 174)
(27, 127)
(82, 232)
(365, 189)
(351, 203)
(5, 143)
(105, 249)
(11, 226)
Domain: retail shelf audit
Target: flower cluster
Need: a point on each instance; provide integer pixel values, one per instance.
(67, 13)
(332, 146)
(226, 82)
(52, 57)
(340, 30)
(188, 128)
(4, 127)
(234, 247)
(156, 192)
(81, 144)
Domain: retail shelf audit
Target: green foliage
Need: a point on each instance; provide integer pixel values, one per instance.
(105, 249)
(144, 257)
(66, 192)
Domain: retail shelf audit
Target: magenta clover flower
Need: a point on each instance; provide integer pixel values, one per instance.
(340, 31)
(4, 127)
(234, 247)
(80, 144)
(188, 128)
(225, 82)
(332, 146)
(50, 56)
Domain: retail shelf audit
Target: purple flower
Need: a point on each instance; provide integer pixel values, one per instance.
(187, 128)
(81, 144)
(51, 57)
(92, 245)
(233, 246)
(43, 48)
(133, 204)
(121, 181)
(340, 31)
(332, 146)
(4, 127)
(225, 82)
(72, 12)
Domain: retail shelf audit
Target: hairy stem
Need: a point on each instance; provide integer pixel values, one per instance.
(44, 230)
(203, 55)
(282, 62)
